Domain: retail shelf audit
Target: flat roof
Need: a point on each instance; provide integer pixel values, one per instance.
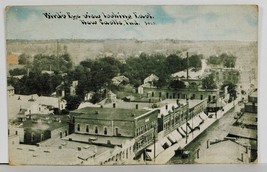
(192, 103)
(98, 139)
(248, 119)
(44, 122)
(109, 113)
(129, 105)
(243, 132)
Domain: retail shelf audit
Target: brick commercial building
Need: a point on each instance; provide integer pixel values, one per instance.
(140, 125)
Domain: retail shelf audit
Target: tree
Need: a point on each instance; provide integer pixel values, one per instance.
(17, 71)
(23, 59)
(175, 63)
(73, 102)
(195, 61)
(227, 60)
(208, 82)
(177, 84)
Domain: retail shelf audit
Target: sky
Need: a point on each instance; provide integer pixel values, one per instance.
(232, 22)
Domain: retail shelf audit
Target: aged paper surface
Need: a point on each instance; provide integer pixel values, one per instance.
(121, 85)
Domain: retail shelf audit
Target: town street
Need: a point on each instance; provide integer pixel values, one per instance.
(218, 130)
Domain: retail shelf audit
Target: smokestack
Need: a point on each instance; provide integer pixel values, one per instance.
(136, 106)
(187, 65)
(114, 105)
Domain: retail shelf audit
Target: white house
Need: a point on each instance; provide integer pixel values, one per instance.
(150, 81)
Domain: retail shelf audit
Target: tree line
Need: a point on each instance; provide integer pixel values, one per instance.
(95, 75)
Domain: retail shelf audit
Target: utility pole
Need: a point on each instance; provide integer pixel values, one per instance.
(57, 57)
(154, 142)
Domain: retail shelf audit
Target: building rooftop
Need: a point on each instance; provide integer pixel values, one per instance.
(97, 139)
(129, 105)
(243, 132)
(192, 103)
(223, 152)
(109, 113)
(43, 122)
(248, 119)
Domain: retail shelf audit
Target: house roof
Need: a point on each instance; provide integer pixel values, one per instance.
(10, 87)
(109, 113)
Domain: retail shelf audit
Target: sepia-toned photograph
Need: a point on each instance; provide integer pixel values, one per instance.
(132, 84)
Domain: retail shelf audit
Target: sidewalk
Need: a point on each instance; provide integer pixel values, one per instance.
(167, 154)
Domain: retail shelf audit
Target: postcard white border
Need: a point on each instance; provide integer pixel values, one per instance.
(262, 64)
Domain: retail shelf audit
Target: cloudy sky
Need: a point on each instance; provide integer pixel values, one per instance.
(171, 22)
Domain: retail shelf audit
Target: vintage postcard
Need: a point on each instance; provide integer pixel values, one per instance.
(132, 84)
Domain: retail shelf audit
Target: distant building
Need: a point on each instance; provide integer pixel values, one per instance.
(166, 93)
(150, 81)
(67, 89)
(21, 105)
(117, 80)
(10, 90)
(73, 88)
(222, 75)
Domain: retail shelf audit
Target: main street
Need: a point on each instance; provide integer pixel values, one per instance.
(218, 130)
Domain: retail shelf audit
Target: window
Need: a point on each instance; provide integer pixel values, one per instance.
(173, 95)
(116, 131)
(78, 127)
(159, 94)
(167, 95)
(16, 132)
(96, 130)
(32, 138)
(87, 128)
(105, 131)
(60, 134)
(152, 94)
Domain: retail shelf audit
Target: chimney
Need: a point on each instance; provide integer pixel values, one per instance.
(136, 106)
(114, 105)
(187, 65)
